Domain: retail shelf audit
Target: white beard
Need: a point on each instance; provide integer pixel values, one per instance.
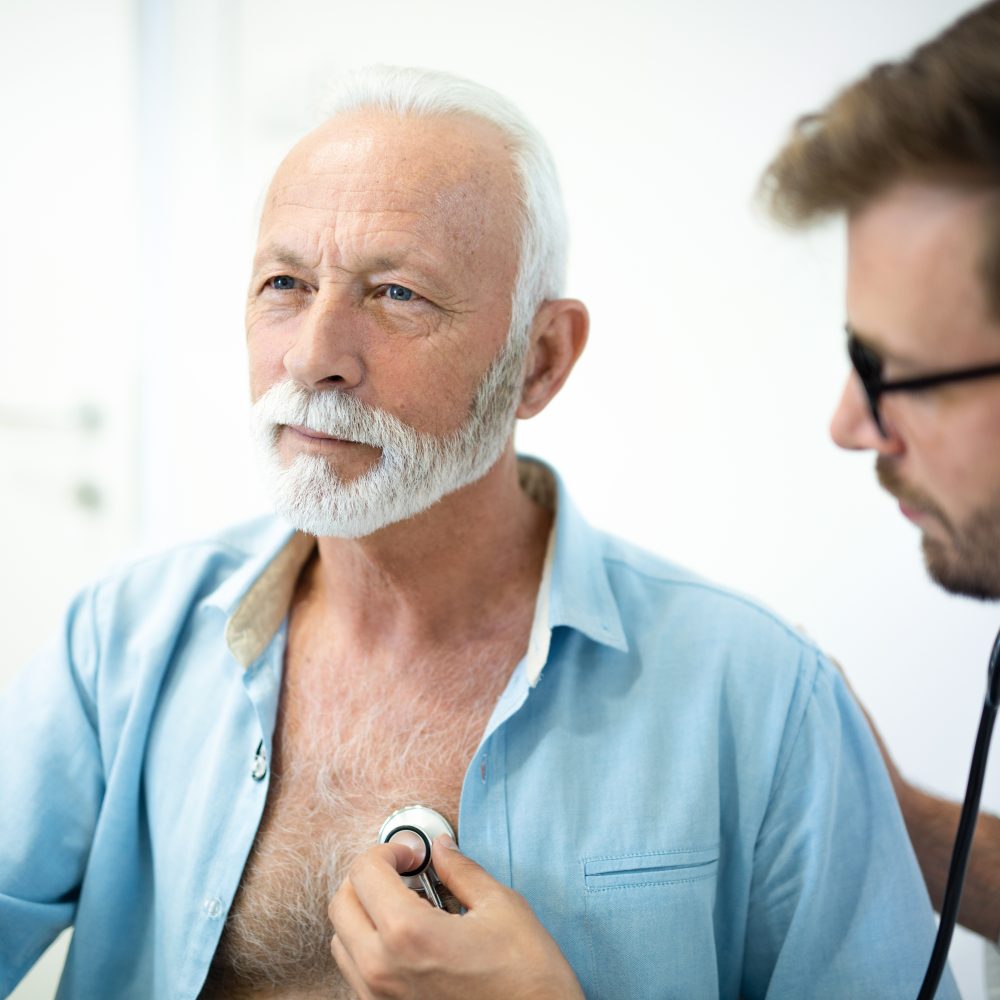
(415, 469)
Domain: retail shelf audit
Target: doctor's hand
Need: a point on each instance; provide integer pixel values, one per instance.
(390, 943)
(903, 789)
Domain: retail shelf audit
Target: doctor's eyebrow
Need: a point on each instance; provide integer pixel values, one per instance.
(885, 353)
(867, 340)
(853, 331)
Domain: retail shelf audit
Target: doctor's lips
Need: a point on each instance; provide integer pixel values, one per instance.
(909, 508)
(911, 505)
(910, 513)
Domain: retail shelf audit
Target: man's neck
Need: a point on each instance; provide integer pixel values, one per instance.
(463, 570)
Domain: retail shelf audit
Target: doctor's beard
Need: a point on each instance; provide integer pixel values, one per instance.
(963, 558)
(415, 469)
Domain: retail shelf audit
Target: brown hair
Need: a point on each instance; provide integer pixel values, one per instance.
(934, 115)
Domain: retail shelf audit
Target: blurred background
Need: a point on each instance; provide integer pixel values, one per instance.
(140, 136)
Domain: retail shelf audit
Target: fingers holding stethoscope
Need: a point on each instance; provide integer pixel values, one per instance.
(381, 928)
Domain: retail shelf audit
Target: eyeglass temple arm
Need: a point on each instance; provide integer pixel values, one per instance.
(929, 381)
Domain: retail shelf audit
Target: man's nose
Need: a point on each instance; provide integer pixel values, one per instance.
(853, 427)
(326, 350)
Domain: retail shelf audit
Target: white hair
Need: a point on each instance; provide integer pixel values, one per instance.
(403, 91)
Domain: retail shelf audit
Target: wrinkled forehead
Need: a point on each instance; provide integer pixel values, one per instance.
(450, 176)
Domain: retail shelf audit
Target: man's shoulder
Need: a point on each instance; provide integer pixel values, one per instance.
(121, 632)
(189, 571)
(654, 584)
(719, 646)
(690, 625)
(645, 564)
(628, 595)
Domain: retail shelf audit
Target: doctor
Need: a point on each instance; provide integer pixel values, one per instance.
(910, 154)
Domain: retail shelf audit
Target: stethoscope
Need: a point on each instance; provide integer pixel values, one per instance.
(966, 829)
(418, 825)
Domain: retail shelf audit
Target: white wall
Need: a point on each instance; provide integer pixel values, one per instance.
(68, 313)
(696, 422)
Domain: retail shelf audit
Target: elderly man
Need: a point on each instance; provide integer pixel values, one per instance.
(669, 781)
(911, 155)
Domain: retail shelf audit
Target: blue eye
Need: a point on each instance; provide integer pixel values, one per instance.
(398, 293)
(282, 283)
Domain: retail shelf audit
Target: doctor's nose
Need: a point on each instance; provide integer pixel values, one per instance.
(325, 352)
(853, 425)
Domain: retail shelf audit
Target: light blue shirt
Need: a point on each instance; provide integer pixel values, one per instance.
(678, 783)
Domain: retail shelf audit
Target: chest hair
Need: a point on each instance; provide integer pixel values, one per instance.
(353, 742)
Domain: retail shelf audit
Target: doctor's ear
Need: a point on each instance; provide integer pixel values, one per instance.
(558, 336)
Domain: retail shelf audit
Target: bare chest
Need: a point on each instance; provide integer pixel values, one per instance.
(352, 744)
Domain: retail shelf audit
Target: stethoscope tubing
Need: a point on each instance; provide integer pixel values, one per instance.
(966, 831)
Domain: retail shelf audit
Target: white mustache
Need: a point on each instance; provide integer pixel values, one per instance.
(333, 413)
(414, 470)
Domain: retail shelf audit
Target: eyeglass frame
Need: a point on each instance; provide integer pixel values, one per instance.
(867, 365)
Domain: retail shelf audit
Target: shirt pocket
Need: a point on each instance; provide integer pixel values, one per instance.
(650, 924)
(656, 868)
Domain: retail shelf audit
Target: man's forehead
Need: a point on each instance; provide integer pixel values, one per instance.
(447, 181)
(914, 279)
(408, 159)
(916, 211)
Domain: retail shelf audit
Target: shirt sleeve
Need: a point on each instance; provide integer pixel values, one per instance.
(50, 792)
(838, 905)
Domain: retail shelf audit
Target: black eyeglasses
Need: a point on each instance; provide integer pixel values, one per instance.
(868, 364)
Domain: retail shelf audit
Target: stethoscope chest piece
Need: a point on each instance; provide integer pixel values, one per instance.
(417, 826)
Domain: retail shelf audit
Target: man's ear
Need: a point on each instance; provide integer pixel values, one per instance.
(558, 335)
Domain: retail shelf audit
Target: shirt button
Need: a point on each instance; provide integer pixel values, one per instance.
(259, 770)
(212, 907)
